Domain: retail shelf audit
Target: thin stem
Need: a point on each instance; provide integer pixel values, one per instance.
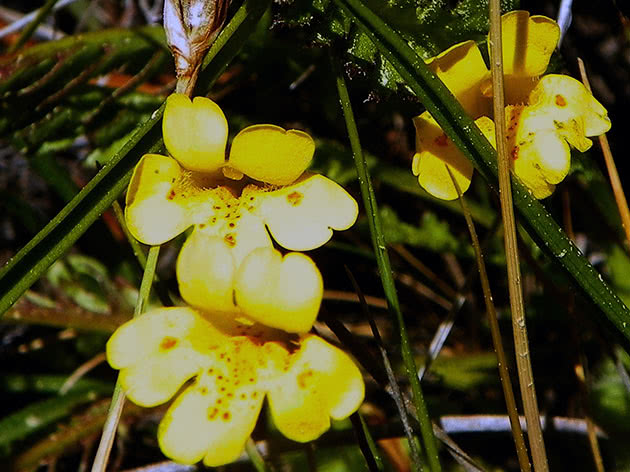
(504, 374)
(521, 344)
(366, 443)
(613, 175)
(42, 13)
(118, 398)
(257, 459)
(397, 395)
(385, 270)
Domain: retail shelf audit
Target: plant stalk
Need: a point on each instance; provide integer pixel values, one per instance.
(519, 327)
(118, 398)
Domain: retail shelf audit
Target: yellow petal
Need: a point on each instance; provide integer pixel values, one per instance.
(281, 292)
(153, 216)
(462, 69)
(434, 150)
(158, 352)
(322, 383)
(302, 216)
(195, 133)
(205, 272)
(542, 161)
(204, 423)
(528, 43)
(270, 154)
(569, 103)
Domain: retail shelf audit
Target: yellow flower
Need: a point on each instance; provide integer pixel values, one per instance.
(233, 216)
(544, 114)
(234, 365)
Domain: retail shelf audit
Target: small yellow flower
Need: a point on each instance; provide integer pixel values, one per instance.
(235, 365)
(544, 114)
(233, 216)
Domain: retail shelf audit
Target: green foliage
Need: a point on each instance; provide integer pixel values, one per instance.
(428, 27)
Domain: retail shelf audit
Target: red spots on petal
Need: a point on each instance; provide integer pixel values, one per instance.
(203, 390)
(226, 416)
(230, 239)
(561, 101)
(514, 153)
(168, 343)
(295, 198)
(441, 140)
(302, 379)
(212, 413)
(171, 195)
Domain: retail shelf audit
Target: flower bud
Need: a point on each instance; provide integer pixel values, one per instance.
(191, 27)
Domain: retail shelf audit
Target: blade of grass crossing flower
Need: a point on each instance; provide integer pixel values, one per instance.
(517, 304)
(385, 271)
(461, 129)
(73, 220)
(613, 175)
(414, 447)
(366, 443)
(118, 398)
(42, 13)
(502, 363)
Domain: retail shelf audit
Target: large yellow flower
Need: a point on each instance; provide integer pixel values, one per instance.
(228, 264)
(544, 115)
(234, 364)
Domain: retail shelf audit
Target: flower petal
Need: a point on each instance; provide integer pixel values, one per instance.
(528, 43)
(195, 133)
(462, 69)
(152, 215)
(283, 293)
(205, 272)
(322, 382)
(302, 216)
(434, 151)
(569, 103)
(158, 352)
(270, 154)
(204, 422)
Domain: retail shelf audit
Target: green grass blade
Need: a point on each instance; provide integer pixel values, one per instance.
(385, 271)
(461, 129)
(61, 233)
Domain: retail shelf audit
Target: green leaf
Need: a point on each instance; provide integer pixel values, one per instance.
(61, 233)
(465, 134)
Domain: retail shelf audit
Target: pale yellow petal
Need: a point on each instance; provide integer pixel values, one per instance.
(195, 133)
(159, 351)
(302, 216)
(153, 216)
(205, 272)
(322, 383)
(270, 154)
(462, 70)
(141, 337)
(570, 104)
(156, 379)
(204, 423)
(434, 151)
(281, 292)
